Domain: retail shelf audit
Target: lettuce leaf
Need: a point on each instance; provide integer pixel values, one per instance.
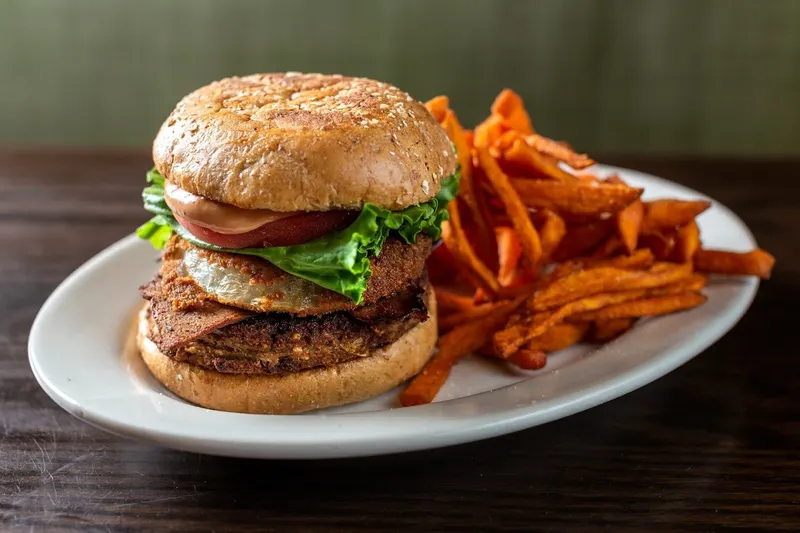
(339, 261)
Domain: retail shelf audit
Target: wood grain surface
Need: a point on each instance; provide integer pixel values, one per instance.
(712, 446)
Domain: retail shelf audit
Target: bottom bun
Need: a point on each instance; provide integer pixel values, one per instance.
(316, 388)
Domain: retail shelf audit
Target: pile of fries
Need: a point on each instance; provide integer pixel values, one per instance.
(535, 259)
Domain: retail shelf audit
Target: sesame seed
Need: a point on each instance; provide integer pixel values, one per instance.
(425, 186)
(391, 153)
(384, 106)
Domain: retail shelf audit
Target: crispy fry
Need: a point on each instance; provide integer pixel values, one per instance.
(575, 197)
(522, 155)
(609, 248)
(605, 330)
(629, 222)
(456, 241)
(528, 359)
(581, 238)
(657, 305)
(559, 337)
(754, 263)
(693, 283)
(453, 346)
(559, 151)
(450, 301)
(687, 242)
(605, 279)
(509, 251)
(488, 131)
(474, 312)
(510, 339)
(528, 237)
(661, 243)
(551, 232)
(640, 259)
(670, 214)
(438, 107)
(509, 106)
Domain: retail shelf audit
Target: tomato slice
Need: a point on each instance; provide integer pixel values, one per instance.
(289, 231)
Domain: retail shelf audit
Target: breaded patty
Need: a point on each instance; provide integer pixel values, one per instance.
(277, 343)
(398, 266)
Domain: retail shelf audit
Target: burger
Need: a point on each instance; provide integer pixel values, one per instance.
(294, 214)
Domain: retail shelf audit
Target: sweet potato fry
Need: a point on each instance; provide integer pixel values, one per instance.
(609, 248)
(456, 134)
(661, 243)
(528, 237)
(453, 346)
(474, 312)
(551, 232)
(559, 337)
(670, 214)
(509, 105)
(528, 359)
(754, 263)
(511, 338)
(438, 107)
(488, 131)
(559, 151)
(687, 242)
(693, 283)
(450, 301)
(456, 241)
(581, 238)
(534, 163)
(629, 222)
(605, 279)
(607, 329)
(640, 259)
(575, 197)
(657, 305)
(509, 251)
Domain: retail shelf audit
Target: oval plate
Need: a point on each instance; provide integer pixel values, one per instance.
(80, 354)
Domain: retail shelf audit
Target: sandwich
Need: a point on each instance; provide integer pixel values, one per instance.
(294, 214)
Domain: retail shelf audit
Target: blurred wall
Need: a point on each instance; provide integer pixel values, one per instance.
(612, 76)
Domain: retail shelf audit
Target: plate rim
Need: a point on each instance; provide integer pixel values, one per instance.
(462, 430)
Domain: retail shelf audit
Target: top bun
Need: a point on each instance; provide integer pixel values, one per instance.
(304, 142)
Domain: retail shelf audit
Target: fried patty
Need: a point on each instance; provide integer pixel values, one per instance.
(279, 343)
(397, 267)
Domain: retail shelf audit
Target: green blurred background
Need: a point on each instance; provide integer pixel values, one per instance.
(697, 77)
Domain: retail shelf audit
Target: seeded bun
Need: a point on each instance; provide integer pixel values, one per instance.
(304, 142)
(298, 392)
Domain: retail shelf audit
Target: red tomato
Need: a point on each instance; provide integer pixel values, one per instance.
(288, 231)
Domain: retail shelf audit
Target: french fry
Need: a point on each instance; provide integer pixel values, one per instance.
(640, 259)
(645, 307)
(510, 339)
(534, 163)
(450, 301)
(528, 359)
(605, 330)
(456, 241)
(453, 346)
(463, 316)
(509, 252)
(670, 214)
(559, 151)
(661, 243)
(576, 197)
(605, 279)
(581, 238)
(694, 283)
(687, 242)
(558, 337)
(608, 248)
(509, 106)
(754, 263)
(488, 131)
(438, 107)
(551, 232)
(517, 212)
(629, 222)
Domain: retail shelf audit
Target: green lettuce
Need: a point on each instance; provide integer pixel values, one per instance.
(339, 261)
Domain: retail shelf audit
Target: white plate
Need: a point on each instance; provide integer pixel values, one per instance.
(77, 353)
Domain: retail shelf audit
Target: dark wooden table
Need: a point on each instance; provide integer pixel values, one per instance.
(712, 446)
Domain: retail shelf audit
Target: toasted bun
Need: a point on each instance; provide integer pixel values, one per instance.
(317, 388)
(304, 142)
